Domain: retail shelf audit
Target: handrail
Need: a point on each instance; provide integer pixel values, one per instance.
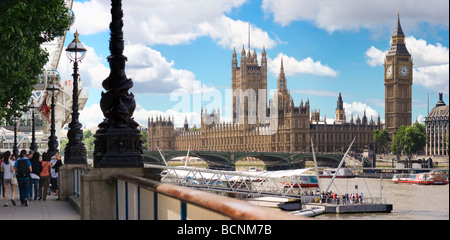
(229, 207)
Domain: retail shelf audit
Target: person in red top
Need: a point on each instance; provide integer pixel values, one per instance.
(44, 177)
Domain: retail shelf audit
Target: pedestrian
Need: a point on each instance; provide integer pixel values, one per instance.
(44, 177)
(56, 163)
(23, 169)
(37, 168)
(9, 178)
(1, 179)
(30, 184)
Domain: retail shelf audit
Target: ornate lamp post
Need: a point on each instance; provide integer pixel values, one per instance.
(33, 145)
(15, 148)
(52, 140)
(75, 152)
(118, 141)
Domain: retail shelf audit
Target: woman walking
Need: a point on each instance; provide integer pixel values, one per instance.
(44, 177)
(9, 178)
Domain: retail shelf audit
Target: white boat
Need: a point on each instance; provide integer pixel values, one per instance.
(429, 178)
(341, 173)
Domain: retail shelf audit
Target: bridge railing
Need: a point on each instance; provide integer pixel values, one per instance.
(144, 199)
(234, 182)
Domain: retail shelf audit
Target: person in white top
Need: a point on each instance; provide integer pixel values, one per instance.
(56, 163)
(9, 178)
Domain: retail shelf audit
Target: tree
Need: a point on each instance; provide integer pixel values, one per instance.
(88, 140)
(144, 140)
(409, 139)
(24, 26)
(63, 143)
(381, 137)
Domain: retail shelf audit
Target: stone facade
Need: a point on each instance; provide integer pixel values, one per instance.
(295, 125)
(437, 129)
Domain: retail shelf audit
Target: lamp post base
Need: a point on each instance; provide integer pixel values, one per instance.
(118, 148)
(75, 154)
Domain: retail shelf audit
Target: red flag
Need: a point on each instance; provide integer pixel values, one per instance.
(45, 110)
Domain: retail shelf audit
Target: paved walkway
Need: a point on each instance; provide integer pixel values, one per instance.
(51, 209)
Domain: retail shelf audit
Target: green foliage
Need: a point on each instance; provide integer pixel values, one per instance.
(144, 140)
(381, 137)
(409, 139)
(88, 140)
(24, 26)
(63, 144)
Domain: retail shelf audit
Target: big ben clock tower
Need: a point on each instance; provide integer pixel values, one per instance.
(398, 81)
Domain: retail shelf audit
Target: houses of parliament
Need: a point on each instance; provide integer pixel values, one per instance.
(290, 126)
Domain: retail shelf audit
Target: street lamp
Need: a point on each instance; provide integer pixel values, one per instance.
(33, 145)
(75, 151)
(15, 148)
(52, 140)
(118, 142)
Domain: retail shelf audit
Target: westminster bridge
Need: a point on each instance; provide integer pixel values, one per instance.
(223, 160)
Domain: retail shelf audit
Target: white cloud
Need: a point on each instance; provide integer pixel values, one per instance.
(293, 67)
(92, 70)
(433, 77)
(92, 116)
(375, 57)
(425, 54)
(431, 63)
(231, 33)
(171, 22)
(91, 17)
(333, 15)
(152, 73)
(149, 70)
(358, 108)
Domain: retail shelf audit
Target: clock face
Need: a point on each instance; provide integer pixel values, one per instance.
(389, 71)
(404, 71)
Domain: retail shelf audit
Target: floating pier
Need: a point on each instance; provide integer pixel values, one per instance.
(352, 208)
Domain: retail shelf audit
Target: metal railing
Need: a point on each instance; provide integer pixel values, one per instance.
(232, 182)
(77, 172)
(144, 199)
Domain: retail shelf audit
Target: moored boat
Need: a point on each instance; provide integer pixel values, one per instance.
(306, 181)
(341, 173)
(428, 178)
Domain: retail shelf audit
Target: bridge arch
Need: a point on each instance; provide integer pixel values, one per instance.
(227, 160)
(272, 161)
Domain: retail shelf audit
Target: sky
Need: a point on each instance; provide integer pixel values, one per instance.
(179, 53)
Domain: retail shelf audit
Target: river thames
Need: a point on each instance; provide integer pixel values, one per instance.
(410, 201)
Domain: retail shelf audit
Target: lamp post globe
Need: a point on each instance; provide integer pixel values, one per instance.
(75, 151)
